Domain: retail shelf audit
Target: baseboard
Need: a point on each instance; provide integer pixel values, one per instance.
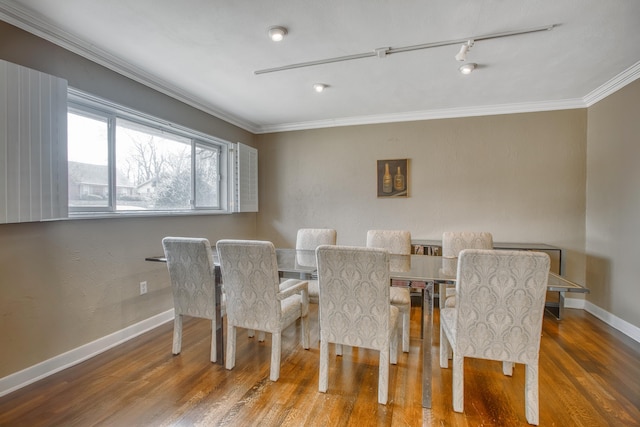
(622, 325)
(574, 303)
(73, 357)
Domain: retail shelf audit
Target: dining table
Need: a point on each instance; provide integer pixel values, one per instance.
(422, 274)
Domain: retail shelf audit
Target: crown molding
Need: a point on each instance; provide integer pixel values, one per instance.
(34, 24)
(618, 82)
(488, 110)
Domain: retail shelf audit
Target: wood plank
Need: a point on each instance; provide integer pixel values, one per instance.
(589, 375)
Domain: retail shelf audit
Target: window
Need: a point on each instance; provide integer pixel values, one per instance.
(121, 161)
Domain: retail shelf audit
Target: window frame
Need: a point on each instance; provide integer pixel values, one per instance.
(85, 104)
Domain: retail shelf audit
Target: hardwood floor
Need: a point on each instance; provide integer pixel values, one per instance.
(589, 376)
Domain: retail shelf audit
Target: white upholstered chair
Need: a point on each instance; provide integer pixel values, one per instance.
(255, 299)
(498, 316)
(355, 309)
(307, 240)
(191, 269)
(452, 243)
(398, 243)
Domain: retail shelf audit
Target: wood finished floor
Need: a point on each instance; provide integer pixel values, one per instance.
(589, 376)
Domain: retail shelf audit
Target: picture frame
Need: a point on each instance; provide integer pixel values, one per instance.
(393, 178)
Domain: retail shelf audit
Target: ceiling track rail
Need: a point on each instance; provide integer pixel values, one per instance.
(384, 51)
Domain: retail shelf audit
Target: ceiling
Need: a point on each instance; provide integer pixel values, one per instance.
(206, 53)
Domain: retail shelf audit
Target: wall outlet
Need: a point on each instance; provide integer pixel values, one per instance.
(143, 287)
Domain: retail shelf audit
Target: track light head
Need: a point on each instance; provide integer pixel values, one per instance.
(464, 49)
(467, 69)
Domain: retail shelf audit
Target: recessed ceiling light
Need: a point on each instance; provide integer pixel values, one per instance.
(467, 68)
(319, 87)
(277, 33)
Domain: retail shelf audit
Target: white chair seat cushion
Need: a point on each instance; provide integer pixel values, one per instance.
(399, 296)
(394, 313)
(314, 291)
(291, 310)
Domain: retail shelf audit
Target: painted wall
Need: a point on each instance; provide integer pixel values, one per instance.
(64, 284)
(613, 204)
(522, 177)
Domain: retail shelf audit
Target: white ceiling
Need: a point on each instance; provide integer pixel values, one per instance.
(206, 52)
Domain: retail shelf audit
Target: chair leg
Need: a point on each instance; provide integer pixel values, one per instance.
(458, 383)
(261, 336)
(507, 368)
(394, 347)
(531, 393)
(214, 345)
(323, 382)
(338, 349)
(276, 349)
(445, 348)
(230, 359)
(383, 376)
(251, 333)
(405, 330)
(304, 324)
(177, 334)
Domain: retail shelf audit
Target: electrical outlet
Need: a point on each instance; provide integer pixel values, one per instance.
(143, 287)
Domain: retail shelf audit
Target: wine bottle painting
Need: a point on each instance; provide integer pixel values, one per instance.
(393, 178)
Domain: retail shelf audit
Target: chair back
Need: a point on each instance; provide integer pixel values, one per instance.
(397, 242)
(250, 279)
(455, 241)
(500, 304)
(191, 269)
(308, 239)
(354, 295)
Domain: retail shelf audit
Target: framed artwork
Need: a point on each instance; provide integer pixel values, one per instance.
(393, 178)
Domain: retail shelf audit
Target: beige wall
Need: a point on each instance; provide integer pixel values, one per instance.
(64, 284)
(521, 177)
(613, 204)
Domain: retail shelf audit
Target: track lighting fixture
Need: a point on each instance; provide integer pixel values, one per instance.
(468, 68)
(464, 49)
(386, 51)
(276, 34)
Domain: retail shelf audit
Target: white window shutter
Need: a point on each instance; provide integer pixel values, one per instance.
(246, 178)
(33, 145)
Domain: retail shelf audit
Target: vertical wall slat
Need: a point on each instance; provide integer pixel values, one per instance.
(34, 142)
(246, 178)
(4, 134)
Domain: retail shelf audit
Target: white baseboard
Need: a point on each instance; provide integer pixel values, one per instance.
(73, 357)
(48, 367)
(622, 325)
(574, 303)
